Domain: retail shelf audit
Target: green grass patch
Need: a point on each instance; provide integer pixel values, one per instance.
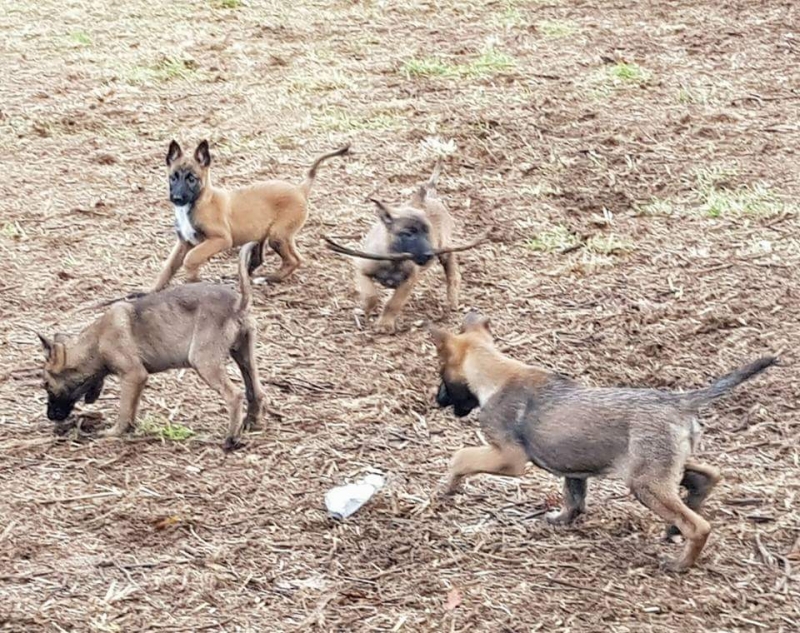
(164, 430)
(12, 231)
(342, 120)
(656, 206)
(490, 62)
(555, 239)
(609, 245)
(625, 74)
(556, 28)
(227, 4)
(80, 38)
(165, 69)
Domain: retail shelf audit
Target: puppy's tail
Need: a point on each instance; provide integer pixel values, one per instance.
(312, 173)
(429, 187)
(246, 255)
(722, 385)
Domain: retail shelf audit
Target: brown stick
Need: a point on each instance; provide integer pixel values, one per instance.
(398, 257)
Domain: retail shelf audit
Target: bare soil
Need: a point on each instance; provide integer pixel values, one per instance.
(637, 163)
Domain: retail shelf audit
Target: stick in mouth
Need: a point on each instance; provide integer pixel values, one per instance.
(398, 257)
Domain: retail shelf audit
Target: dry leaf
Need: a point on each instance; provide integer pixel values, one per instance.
(163, 523)
(794, 553)
(453, 599)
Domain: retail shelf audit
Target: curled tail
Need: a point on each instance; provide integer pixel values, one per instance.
(430, 185)
(722, 385)
(312, 172)
(246, 254)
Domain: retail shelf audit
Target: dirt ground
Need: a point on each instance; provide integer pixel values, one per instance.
(637, 164)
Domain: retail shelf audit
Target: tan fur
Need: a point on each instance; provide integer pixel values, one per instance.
(427, 207)
(270, 213)
(528, 413)
(196, 326)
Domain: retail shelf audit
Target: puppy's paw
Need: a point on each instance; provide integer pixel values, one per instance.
(674, 565)
(232, 444)
(114, 431)
(560, 517)
(386, 325)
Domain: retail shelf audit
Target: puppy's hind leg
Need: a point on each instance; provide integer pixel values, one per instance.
(244, 356)
(662, 497)
(212, 371)
(574, 502)
(453, 277)
(256, 259)
(698, 479)
(290, 258)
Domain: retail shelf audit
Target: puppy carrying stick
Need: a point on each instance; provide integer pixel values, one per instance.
(531, 414)
(400, 246)
(210, 220)
(197, 325)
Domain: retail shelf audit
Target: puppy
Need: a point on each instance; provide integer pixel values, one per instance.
(209, 220)
(531, 414)
(418, 229)
(196, 326)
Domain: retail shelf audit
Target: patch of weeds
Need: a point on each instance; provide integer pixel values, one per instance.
(510, 18)
(80, 38)
(656, 206)
(556, 28)
(166, 431)
(556, 239)
(625, 74)
(333, 80)
(438, 146)
(490, 62)
(609, 245)
(227, 4)
(166, 69)
(429, 67)
(341, 120)
(12, 231)
(755, 200)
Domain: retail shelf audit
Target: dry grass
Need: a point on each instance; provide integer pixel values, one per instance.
(163, 531)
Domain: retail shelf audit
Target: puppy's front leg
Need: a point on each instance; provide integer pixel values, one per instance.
(131, 386)
(506, 460)
(201, 253)
(387, 322)
(366, 292)
(574, 502)
(453, 277)
(171, 266)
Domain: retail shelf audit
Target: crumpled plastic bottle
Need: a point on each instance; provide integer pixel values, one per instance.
(343, 501)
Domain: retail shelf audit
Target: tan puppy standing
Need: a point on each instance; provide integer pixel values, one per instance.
(210, 220)
(528, 413)
(419, 228)
(195, 325)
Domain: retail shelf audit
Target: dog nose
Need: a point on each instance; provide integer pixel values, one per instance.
(423, 258)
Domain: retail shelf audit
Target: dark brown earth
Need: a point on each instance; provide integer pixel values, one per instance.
(656, 143)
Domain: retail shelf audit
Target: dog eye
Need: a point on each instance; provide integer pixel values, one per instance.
(190, 179)
(173, 178)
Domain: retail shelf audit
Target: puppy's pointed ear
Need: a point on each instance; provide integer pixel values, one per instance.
(474, 320)
(383, 212)
(440, 337)
(173, 153)
(47, 345)
(56, 358)
(202, 154)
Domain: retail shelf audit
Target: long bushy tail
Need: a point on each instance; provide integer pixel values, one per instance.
(430, 185)
(312, 172)
(722, 385)
(246, 254)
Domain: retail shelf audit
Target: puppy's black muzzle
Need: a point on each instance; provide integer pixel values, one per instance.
(458, 396)
(420, 259)
(59, 410)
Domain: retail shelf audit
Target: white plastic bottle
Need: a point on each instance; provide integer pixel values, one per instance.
(343, 501)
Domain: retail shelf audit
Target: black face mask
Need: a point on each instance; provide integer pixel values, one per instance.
(415, 242)
(184, 187)
(457, 395)
(59, 407)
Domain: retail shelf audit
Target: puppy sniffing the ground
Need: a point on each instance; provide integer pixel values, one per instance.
(209, 220)
(531, 414)
(420, 228)
(195, 326)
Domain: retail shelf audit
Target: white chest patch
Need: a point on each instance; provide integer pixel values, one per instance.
(183, 224)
